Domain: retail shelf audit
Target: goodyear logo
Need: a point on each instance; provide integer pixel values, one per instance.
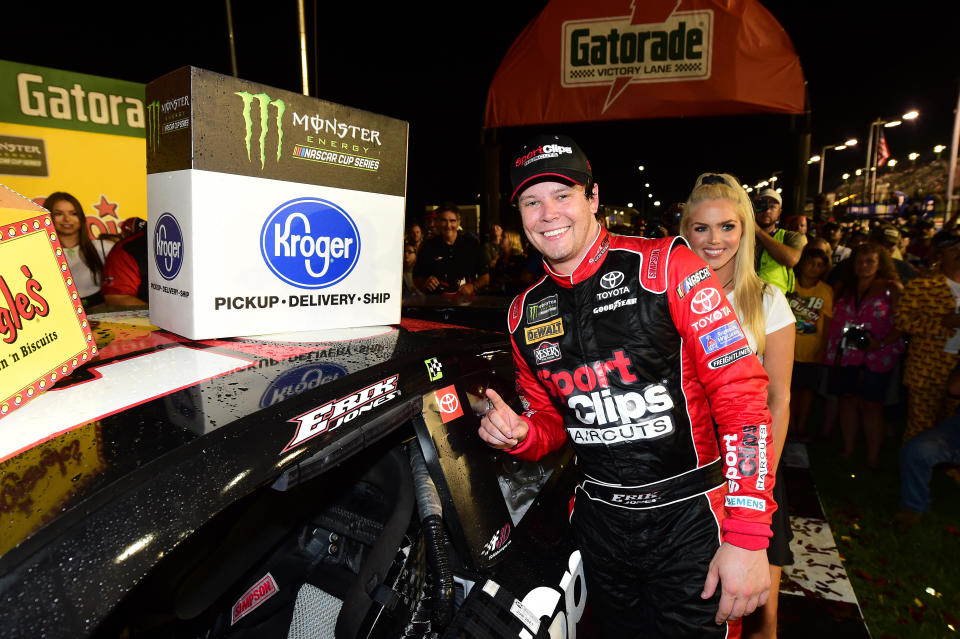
(264, 102)
(540, 332)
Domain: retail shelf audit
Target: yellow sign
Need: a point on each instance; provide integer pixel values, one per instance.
(44, 333)
(36, 483)
(83, 134)
(542, 331)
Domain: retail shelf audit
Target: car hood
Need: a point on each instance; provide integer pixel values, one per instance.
(140, 447)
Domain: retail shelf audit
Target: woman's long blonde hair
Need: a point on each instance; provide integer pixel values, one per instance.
(747, 286)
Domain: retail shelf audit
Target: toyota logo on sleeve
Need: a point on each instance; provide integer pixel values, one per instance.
(611, 279)
(705, 301)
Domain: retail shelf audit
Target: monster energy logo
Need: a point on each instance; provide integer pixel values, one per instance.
(153, 125)
(263, 102)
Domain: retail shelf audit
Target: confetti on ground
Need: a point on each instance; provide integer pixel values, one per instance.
(817, 570)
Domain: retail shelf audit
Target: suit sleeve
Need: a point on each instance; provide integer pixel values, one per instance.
(734, 383)
(546, 432)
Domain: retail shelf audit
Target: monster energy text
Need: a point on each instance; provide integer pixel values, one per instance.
(339, 129)
(263, 103)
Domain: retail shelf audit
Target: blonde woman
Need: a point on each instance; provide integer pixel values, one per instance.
(718, 222)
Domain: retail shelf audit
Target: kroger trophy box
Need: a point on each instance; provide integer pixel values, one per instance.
(270, 211)
(44, 333)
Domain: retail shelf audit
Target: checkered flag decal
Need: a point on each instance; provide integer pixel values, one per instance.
(434, 368)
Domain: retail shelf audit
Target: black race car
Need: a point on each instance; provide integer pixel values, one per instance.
(303, 485)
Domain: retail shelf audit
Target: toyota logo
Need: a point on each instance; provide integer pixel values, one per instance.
(705, 301)
(611, 279)
(448, 403)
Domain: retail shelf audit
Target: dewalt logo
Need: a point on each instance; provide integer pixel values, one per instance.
(153, 125)
(541, 332)
(264, 102)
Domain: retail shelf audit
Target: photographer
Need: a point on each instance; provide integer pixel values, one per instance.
(778, 250)
(864, 346)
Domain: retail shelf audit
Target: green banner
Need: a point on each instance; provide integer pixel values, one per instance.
(40, 96)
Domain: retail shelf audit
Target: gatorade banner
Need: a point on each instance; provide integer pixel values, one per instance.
(83, 134)
(635, 59)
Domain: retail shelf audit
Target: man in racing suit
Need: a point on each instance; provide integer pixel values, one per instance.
(628, 348)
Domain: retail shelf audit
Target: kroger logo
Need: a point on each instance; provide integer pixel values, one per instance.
(168, 246)
(310, 243)
(300, 380)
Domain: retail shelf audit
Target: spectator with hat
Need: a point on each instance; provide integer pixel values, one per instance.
(778, 250)
(833, 233)
(929, 311)
(888, 236)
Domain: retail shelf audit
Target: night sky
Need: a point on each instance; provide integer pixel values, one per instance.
(431, 63)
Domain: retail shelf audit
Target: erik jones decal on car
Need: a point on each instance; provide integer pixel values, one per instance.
(334, 414)
(448, 403)
(497, 544)
(746, 457)
(254, 598)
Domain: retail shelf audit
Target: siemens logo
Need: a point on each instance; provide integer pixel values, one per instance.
(168, 246)
(310, 243)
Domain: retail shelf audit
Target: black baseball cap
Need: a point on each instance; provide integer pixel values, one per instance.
(549, 158)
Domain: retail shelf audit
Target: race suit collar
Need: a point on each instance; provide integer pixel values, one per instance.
(589, 263)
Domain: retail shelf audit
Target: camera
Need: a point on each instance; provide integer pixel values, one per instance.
(855, 336)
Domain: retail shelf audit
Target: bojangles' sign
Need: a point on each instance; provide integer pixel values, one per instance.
(635, 59)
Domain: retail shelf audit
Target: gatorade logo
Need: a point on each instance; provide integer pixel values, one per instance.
(310, 243)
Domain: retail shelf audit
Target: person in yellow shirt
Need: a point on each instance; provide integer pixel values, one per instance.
(812, 305)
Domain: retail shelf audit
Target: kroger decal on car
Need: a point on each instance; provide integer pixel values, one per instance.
(269, 211)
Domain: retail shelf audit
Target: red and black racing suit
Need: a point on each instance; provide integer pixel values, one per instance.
(638, 359)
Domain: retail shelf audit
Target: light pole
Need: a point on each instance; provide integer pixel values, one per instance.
(822, 158)
(872, 148)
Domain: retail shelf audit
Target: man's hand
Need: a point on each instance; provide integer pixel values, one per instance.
(744, 577)
(432, 283)
(501, 427)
